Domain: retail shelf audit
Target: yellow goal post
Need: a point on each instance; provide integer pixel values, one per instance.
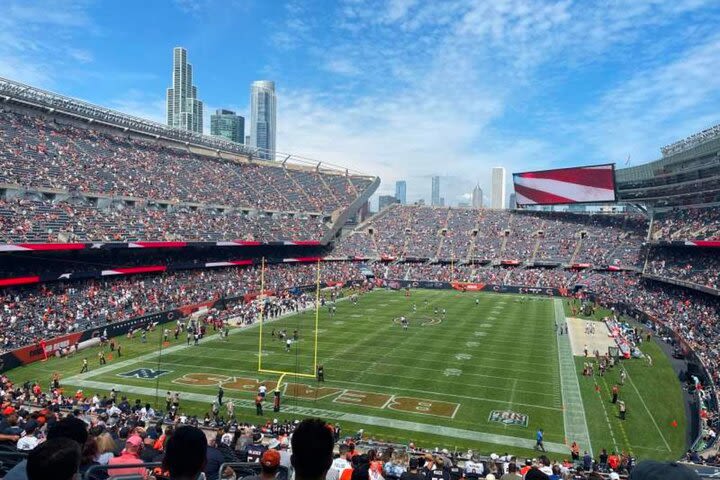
(283, 373)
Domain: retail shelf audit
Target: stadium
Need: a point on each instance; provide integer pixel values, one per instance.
(154, 278)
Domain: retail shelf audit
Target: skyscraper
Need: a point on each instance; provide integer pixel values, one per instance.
(512, 201)
(435, 198)
(498, 188)
(184, 110)
(401, 191)
(477, 198)
(263, 105)
(226, 124)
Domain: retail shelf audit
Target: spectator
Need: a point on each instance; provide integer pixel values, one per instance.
(312, 447)
(512, 472)
(186, 453)
(129, 456)
(58, 458)
(413, 472)
(68, 428)
(269, 466)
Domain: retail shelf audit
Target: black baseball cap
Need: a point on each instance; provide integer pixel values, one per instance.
(652, 470)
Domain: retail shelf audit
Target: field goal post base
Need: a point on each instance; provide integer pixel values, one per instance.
(278, 387)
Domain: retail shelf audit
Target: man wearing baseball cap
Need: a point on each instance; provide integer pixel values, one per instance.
(130, 455)
(269, 466)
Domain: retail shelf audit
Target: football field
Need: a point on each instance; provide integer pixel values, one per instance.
(485, 375)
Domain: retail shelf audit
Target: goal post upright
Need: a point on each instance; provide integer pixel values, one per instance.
(262, 311)
(283, 373)
(317, 315)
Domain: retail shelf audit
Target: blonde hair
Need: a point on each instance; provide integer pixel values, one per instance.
(105, 443)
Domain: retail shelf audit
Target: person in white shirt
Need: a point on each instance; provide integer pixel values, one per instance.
(29, 441)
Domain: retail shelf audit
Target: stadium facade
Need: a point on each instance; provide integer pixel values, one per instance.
(207, 210)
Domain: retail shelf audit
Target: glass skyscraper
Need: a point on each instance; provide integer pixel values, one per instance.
(263, 130)
(226, 124)
(184, 110)
(435, 197)
(401, 191)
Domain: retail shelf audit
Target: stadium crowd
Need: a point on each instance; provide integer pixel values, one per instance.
(687, 224)
(419, 232)
(58, 435)
(530, 277)
(37, 152)
(28, 314)
(698, 266)
(25, 221)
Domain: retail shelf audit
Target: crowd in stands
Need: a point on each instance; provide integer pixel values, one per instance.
(362, 245)
(28, 314)
(62, 436)
(37, 152)
(693, 316)
(698, 266)
(535, 277)
(687, 224)
(463, 234)
(40, 221)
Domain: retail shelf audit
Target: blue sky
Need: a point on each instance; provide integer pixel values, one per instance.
(403, 89)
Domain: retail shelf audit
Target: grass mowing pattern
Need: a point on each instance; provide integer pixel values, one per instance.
(500, 354)
(648, 431)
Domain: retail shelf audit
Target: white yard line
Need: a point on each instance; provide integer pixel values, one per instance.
(648, 412)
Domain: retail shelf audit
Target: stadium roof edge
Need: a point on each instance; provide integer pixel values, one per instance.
(11, 90)
(693, 140)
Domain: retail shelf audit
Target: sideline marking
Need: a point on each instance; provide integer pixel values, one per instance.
(573, 409)
(648, 411)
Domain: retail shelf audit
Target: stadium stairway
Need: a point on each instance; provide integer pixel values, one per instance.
(536, 248)
(473, 244)
(331, 194)
(577, 250)
(300, 187)
(443, 237)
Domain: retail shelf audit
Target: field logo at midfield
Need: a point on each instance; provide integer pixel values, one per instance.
(144, 373)
(506, 417)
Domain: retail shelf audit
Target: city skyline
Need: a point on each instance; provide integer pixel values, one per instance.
(359, 86)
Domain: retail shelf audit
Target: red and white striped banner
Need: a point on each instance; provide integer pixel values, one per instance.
(566, 185)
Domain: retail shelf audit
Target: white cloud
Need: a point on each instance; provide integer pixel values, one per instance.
(140, 104)
(427, 85)
(34, 39)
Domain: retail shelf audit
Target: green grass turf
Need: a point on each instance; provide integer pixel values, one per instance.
(498, 355)
(654, 400)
